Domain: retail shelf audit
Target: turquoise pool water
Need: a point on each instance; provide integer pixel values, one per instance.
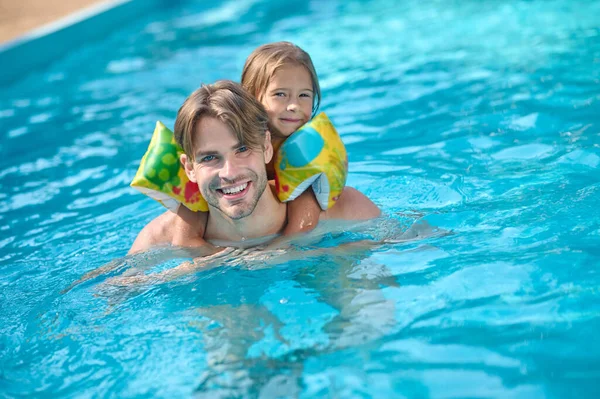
(481, 118)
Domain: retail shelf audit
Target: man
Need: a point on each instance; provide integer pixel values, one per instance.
(226, 143)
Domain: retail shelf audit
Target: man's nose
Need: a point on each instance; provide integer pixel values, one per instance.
(230, 170)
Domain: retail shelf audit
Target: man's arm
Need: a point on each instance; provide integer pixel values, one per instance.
(182, 231)
(352, 205)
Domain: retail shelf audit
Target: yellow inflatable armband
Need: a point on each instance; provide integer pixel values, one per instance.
(313, 156)
(161, 177)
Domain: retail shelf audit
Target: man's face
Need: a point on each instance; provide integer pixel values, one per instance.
(231, 176)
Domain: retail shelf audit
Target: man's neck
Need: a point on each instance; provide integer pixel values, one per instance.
(269, 217)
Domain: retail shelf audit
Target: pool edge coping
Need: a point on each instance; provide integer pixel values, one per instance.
(44, 45)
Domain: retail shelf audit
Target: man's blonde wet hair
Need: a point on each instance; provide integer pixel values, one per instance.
(262, 64)
(228, 102)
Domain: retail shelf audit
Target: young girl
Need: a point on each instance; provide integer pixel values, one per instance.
(282, 77)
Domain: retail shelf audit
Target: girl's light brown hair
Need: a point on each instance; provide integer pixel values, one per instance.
(228, 102)
(262, 64)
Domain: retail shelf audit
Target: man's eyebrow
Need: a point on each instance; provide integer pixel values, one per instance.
(203, 153)
(200, 154)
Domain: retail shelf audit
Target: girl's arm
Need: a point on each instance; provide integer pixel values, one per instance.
(303, 214)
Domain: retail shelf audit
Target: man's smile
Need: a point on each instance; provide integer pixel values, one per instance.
(234, 192)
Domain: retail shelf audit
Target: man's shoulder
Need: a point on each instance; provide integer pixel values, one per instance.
(159, 231)
(162, 225)
(184, 228)
(352, 205)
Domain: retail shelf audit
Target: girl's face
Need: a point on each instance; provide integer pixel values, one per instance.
(289, 98)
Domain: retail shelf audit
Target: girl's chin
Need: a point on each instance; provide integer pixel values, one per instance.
(287, 132)
(289, 129)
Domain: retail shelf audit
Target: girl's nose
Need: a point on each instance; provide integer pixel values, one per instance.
(292, 106)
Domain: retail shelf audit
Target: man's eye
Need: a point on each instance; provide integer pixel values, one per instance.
(243, 149)
(207, 158)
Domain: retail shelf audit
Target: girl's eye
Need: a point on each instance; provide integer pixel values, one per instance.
(279, 94)
(305, 95)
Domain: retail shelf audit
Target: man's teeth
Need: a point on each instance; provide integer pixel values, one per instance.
(234, 190)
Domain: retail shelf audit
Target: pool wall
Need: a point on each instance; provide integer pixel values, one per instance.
(44, 45)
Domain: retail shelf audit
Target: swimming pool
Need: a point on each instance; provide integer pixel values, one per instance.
(481, 118)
